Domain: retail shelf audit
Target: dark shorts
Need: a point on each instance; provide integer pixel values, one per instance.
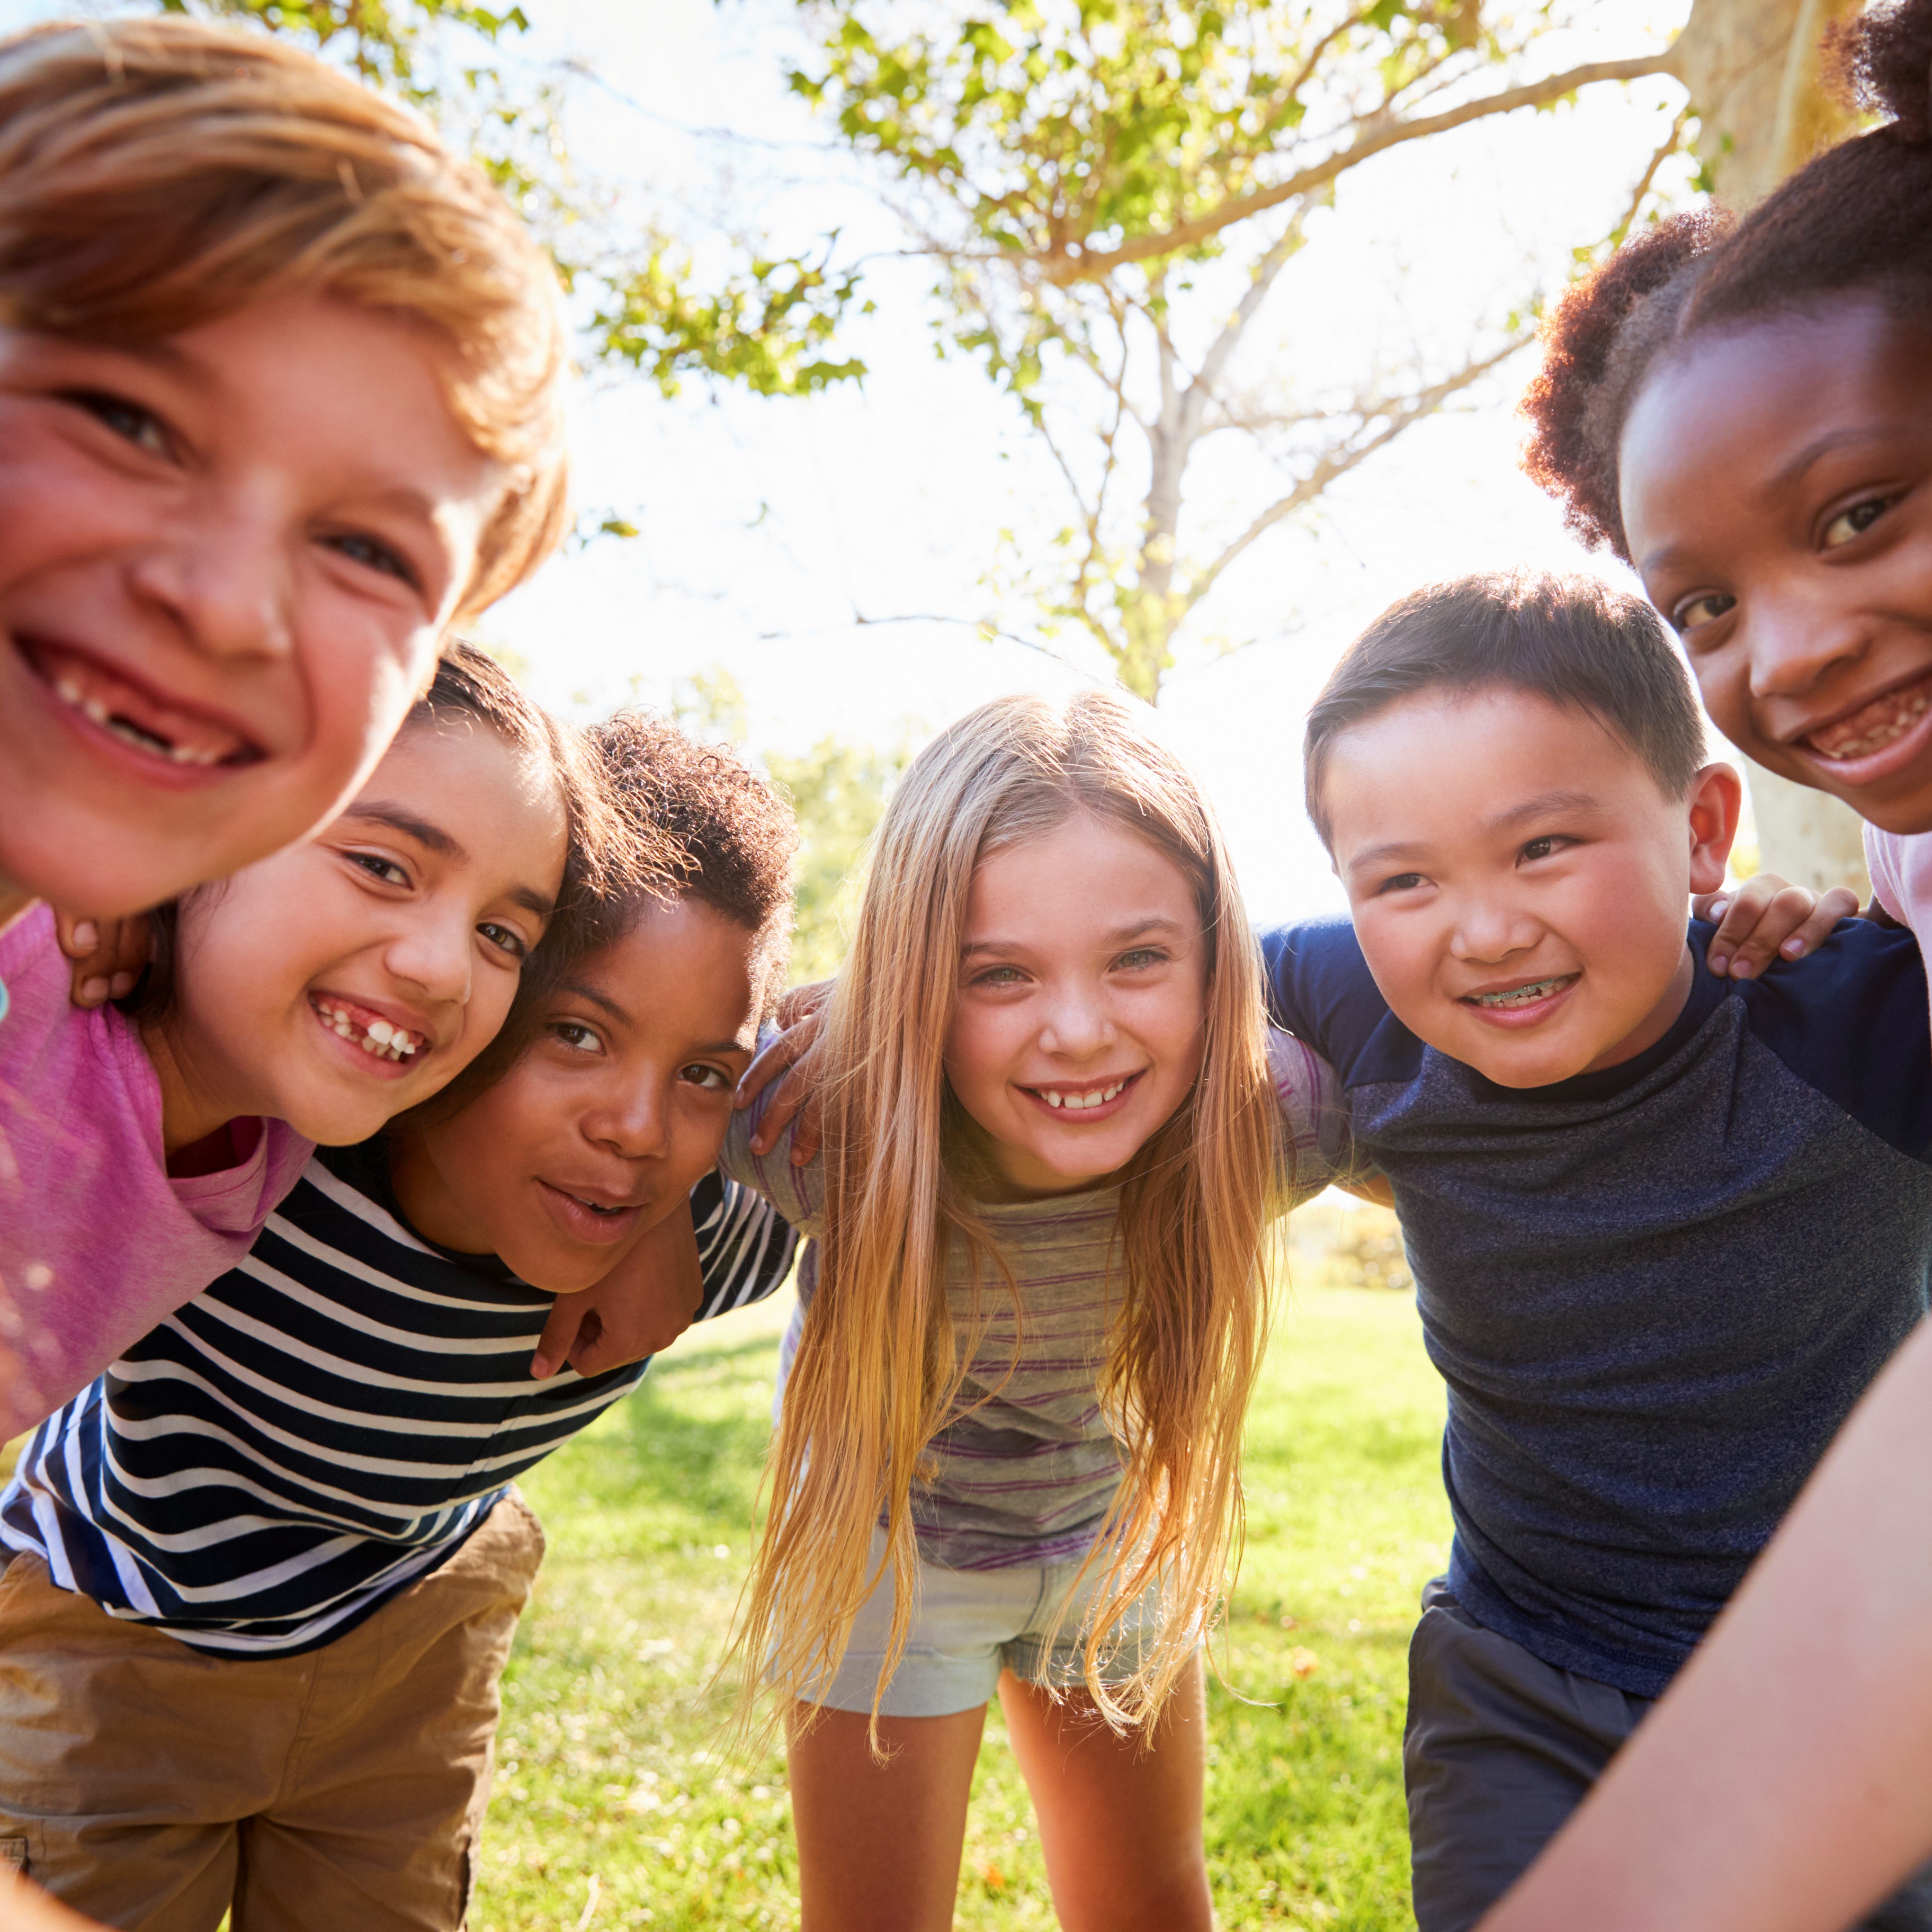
(1499, 1749)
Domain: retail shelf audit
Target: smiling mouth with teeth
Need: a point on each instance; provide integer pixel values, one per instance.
(1875, 725)
(380, 1039)
(1065, 1101)
(150, 725)
(1521, 996)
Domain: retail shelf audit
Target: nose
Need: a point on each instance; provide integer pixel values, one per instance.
(1795, 641)
(1491, 925)
(433, 952)
(1077, 1025)
(631, 1117)
(223, 577)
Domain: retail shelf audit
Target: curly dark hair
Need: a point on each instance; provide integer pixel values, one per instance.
(1857, 220)
(732, 842)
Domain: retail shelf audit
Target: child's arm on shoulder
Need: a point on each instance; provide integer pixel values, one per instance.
(800, 1017)
(1784, 1784)
(1764, 920)
(643, 1305)
(108, 955)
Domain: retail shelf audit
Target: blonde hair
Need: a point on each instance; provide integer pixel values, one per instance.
(878, 1373)
(157, 174)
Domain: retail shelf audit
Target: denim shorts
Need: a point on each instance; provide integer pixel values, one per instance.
(970, 1625)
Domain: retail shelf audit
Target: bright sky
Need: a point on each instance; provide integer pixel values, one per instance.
(767, 525)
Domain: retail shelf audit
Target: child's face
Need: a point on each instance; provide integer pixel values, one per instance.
(614, 1113)
(1777, 492)
(349, 977)
(226, 560)
(1083, 987)
(1519, 880)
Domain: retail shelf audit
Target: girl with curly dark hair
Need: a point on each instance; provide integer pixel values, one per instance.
(1743, 411)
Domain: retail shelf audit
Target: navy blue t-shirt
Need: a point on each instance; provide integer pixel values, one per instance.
(1654, 1291)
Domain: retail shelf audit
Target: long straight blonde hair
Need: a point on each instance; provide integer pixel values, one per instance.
(878, 1371)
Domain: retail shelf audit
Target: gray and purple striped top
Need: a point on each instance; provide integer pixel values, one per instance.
(1026, 1473)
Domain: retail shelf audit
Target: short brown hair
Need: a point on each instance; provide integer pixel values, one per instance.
(158, 174)
(1573, 641)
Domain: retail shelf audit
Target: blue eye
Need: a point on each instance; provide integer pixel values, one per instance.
(128, 420)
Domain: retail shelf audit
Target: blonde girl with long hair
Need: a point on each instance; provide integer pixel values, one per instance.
(1055, 1127)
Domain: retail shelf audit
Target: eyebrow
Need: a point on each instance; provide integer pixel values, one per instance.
(433, 838)
(1543, 803)
(1538, 807)
(400, 818)
(1822, 446)
(1137, 928)
(574, 990)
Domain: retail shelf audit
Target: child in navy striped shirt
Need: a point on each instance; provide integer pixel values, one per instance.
(265, 1574)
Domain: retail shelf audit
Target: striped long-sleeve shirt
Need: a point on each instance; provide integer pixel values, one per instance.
(1025, 1474)
(327, 1423)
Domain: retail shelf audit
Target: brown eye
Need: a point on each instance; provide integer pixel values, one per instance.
(1855, 521)
(1688, 616)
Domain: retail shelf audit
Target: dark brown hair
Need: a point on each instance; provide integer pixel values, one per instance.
(1857, 221)
(1574, 640)
(471, 687)
(727, 839)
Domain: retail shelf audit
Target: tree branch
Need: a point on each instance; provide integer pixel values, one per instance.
(1340, 458)
(1063, 266)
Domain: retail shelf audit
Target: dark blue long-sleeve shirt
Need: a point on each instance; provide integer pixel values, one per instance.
(1654, 1291)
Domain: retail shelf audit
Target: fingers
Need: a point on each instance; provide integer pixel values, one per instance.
(795, 1099)
(801, 1002)
(108, 955)
(1767, 920)
(554, 1346)
(775, 1057)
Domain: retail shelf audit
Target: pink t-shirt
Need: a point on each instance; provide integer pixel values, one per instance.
(1900, 864)
(96, 1243)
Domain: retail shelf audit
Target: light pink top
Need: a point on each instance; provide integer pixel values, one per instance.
(96, 1243)
(1900, 864)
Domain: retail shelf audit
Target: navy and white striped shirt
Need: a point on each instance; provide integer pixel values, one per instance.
(327, 1422)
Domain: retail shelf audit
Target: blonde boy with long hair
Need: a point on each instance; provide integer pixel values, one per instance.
(1055, 1128)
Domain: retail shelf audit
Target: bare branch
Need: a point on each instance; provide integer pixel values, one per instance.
(1063, 266)
(1262, 279)
(1666, 148)
(1347, 454)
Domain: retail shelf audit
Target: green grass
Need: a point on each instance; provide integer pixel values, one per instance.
(613, 1807)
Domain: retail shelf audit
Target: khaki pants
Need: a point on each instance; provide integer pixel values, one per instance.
(156, 1787)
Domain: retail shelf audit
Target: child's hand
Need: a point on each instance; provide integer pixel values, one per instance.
(108, 955)
(801, 1014)
(644, 1304)
(1766, 919)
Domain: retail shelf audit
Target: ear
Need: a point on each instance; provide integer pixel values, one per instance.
(1716, 798)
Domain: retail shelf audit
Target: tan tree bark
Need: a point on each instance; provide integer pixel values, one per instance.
(1752, 69)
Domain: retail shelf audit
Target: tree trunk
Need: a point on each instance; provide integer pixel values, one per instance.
(1753, 72)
